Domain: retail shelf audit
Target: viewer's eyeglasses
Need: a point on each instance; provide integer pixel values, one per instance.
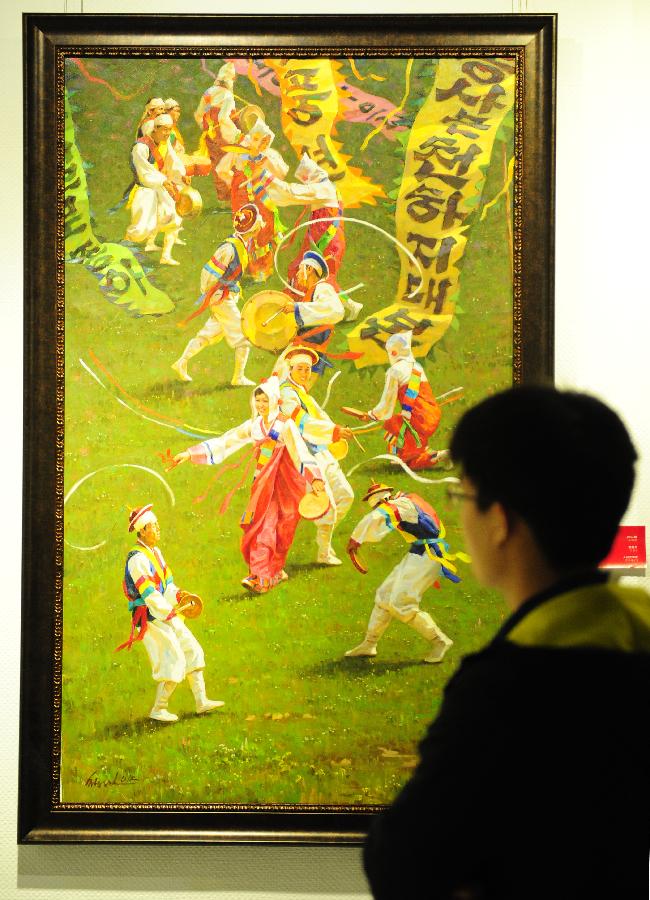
(455, 494)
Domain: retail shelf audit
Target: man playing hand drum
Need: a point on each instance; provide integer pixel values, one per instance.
(174, 652)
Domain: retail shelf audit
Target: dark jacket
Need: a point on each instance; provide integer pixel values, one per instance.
(534, 779)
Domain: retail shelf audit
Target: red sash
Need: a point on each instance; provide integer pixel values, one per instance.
(153, 151)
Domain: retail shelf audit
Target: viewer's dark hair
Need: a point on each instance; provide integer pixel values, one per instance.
(258, 392)
(563, 461)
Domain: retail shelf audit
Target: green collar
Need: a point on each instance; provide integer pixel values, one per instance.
(594, 615)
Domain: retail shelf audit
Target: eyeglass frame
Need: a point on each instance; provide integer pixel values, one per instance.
(454, 493)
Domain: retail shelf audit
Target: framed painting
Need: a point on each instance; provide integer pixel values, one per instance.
(294, 250)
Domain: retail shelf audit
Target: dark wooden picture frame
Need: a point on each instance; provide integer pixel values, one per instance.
(47, 40)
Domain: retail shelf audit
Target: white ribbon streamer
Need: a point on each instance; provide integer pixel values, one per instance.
(396, 461)
(75, 488)
(358, 222)
(329, 389)
(137, 412)
(455, 390)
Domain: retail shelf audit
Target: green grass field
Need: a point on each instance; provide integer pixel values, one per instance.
(301, 724)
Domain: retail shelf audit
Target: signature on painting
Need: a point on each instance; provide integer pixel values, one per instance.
(110, 779)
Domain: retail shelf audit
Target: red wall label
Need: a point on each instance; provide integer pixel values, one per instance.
(628, 553)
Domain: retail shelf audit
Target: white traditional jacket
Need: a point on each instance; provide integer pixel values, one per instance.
(324, 308)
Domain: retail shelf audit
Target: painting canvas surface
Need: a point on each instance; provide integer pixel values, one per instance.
(418, 154)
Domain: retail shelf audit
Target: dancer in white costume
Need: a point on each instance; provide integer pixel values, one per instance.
(294, 369)
(399, 596)
(174, 652)
(158, 175)
(217, 117)
(221, 291)
(318, 310)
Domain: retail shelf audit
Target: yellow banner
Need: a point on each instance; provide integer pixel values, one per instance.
(369, 337)
(311, 106)
(447, 157)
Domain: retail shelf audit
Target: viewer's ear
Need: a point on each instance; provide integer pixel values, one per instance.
(501, 522)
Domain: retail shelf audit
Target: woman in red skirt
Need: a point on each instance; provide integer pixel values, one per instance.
(284, 472)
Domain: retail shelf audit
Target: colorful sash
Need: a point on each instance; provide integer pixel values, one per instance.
(157, 153)
(256, 186)
(435, 548)
(230, 274)
(144, 586)
(268, 446)
(227, 277)
(307, 402)
(307, 409)
(138, 629)
(330, 232)
(258, 251)
(299, 416)
(266, 449)
(412, 391)
(162, 577)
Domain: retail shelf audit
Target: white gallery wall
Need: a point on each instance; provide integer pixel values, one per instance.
(602, 345)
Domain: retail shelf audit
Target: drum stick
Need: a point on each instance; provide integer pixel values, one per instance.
(351, 411)
(366, 429)
(185, 606)
(449, 394)
(271, 317)
(352, 289)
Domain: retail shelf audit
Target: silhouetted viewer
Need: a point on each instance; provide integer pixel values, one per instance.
(533, 780)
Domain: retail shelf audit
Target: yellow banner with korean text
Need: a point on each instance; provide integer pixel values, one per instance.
(312, 104)
(447, 157)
